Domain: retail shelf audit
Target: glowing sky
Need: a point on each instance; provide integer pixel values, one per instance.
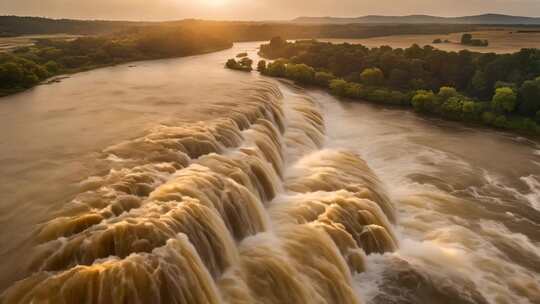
(258, 9)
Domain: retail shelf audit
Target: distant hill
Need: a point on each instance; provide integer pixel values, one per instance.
(486, 19)
(15, 26)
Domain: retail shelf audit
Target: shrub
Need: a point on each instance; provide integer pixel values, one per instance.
(379, 95)
(301, 73)
(323, 78)
(354, 90)
(452, 108)
(523, 123)
(397, 98)
(501, 122)
(52, 67)
(488, 118)
(277, 68)
(338, 87)
(424, 101)
(446, 92)
(261, 66)
(372, 77)
(504, 100)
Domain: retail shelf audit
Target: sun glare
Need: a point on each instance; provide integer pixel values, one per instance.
(214, 2)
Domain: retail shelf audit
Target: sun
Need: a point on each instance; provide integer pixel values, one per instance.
(214, 3)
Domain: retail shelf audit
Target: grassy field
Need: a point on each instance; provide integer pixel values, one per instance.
(9, 43)
(501, 40)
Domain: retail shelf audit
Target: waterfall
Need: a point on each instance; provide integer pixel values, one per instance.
(249, 208)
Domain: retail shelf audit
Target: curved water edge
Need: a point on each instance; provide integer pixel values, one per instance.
(221, 200)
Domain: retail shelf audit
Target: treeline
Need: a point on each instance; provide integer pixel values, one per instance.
(498, 90)
(27, 66)
(260, 31)
(16, 26)
(231, 30)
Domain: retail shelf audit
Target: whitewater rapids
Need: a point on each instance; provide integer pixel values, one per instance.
(244, 208)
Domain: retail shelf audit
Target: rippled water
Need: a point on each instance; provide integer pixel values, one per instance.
(138, 173)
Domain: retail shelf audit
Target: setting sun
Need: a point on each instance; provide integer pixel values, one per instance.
(214, 2)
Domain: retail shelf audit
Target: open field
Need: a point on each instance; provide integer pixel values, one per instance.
(9, 43)
(501, 40)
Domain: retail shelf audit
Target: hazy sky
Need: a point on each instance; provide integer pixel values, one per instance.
(258, 9)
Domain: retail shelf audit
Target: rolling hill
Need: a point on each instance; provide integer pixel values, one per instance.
(485, 19)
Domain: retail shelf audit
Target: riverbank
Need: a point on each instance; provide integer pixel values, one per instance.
(66, 73)
(29, 66)
(465, 86)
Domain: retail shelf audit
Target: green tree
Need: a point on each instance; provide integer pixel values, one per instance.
(372, 77)
(399, 78)
(504, 100)
(501, 121)
(397, 98)
(354, 90)
(301, 73)
(424, 101)
(323, 78)
(338, 87)
(11, 75)
(52, 67)
(529, 95)
(446, 92)
(277, 69)
(479, 83)
(380, 96)
(488, 118)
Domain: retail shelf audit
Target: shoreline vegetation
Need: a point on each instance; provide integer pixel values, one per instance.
(26, 67)
(501, 91)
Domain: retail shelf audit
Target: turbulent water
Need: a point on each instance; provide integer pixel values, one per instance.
(178, 181)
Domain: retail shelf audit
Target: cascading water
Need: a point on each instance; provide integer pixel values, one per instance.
(242, 209)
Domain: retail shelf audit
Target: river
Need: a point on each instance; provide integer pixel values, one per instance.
(138, 173)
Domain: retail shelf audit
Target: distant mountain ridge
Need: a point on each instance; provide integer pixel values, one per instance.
(485, 19)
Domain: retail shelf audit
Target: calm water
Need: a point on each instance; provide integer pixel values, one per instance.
(467, 199)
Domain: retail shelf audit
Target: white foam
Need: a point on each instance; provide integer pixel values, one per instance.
(368, 284)
(533, 182)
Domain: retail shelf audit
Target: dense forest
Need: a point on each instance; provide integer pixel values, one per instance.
(498, 90)
(27, 66)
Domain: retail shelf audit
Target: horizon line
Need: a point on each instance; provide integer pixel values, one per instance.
(259, 20)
